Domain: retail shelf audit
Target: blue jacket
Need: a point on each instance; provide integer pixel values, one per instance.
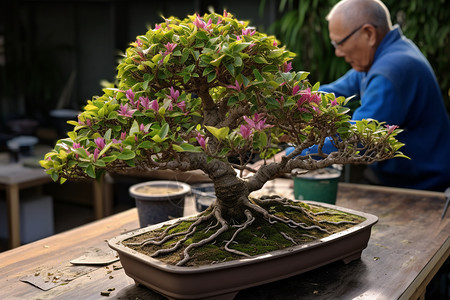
(401, 89)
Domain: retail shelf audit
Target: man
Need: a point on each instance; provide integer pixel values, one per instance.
(397, 85)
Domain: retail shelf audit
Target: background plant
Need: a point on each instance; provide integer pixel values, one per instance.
(302, 27)
(194, 93)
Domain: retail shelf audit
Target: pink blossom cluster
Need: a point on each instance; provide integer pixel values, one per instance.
(257, 123)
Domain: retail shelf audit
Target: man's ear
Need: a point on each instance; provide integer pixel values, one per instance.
(371, 34)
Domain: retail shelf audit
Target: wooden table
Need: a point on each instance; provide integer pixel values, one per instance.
(13, 178)
(407, 247)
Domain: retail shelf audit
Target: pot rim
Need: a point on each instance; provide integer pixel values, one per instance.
(185, 189)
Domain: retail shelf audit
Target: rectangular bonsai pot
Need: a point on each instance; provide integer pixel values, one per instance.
(225, 280)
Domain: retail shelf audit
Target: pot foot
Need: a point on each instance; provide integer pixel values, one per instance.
(352, 257)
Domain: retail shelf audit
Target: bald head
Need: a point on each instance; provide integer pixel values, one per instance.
(356, 12)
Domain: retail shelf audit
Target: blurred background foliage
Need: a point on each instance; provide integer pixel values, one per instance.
(302, 27)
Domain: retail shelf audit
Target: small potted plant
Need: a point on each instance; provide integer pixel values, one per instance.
(192, 94)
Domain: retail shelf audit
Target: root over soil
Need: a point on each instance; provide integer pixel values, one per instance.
(267, 224)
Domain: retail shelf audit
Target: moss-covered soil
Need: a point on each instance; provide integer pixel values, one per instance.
(259, 238)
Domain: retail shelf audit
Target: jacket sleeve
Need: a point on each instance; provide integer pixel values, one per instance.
(348, 85)
(380, 101)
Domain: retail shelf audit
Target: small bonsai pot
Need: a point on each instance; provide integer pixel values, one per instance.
(204, 195)
(318, 185)
(159, 201)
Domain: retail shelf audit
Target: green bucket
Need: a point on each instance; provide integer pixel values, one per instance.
(318, 185)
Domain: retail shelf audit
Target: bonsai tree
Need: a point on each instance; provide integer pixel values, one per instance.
(192, 94)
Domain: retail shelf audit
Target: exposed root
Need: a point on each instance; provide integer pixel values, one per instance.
(337, 223)
(289, 222)
(250, 219)
(176, 246)
(288, 238)
(309, 236)
(164, 237)
(326, 212)
(211, 238)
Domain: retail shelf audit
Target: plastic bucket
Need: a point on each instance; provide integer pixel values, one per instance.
(204, 195)
(319, 185)
(160, 200)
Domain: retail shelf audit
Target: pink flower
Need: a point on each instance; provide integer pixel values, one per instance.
(334, 102)
(287, 67)
(245, 131)
(123, 135)
(248, 31)
(201, 24)
(130, 95)
(258, 122)
(96, 152)
(139, 42)
(182, 105)
(76, 146)
(157, 26)
(170, 47)
(88, 122)
(275, 43)
(125, 112)
(100, 142)
(174, 94)
(201, 140)
(391, 128)
(236, 87)
(154, 105)
(142, 128)
(145, 102)
(295, 90)
(225, 13)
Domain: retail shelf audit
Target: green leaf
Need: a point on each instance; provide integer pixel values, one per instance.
(238, 61)
(164, 130)
(126, 154)
(316, 86)
(260, 60)
(258, 75)
(134, 128)
(232, 100)
(185, 147)
(211, 77)
(54, 175)
(110, 158)
(218, 133)
(230, 68)
(270, 69)
(107, 135)
(145, 145)
(217, 61)
(90, 170)
(158, 139)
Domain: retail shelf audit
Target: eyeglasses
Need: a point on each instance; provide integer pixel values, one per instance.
(337, 44)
